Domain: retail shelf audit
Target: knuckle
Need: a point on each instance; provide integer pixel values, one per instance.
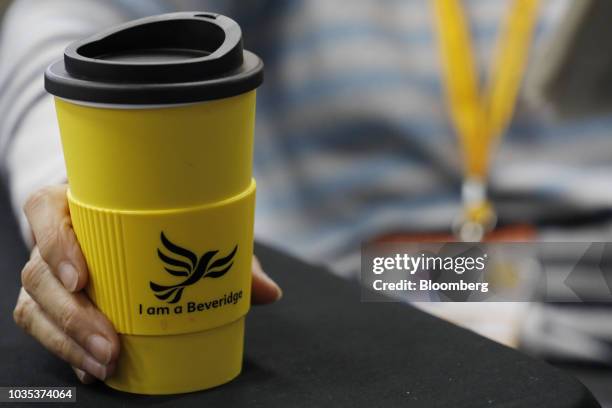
(46, 241)
(31, 275)
(19, 314)
(22, 315)
(37, 199)
(69, 317)
(62, 346)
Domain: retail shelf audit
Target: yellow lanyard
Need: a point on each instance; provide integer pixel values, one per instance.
(480, 118)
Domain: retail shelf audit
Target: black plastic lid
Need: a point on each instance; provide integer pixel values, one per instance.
(165, 59)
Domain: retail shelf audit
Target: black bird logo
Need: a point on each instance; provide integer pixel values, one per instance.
(186, 264)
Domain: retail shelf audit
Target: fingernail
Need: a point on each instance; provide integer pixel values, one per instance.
(279, 294)
(94, 368)
(267, 278)
(279, 291)
(68, 275)
(99, 347)
(83, 377)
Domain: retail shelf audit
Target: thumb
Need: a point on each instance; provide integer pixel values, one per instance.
(263, 290)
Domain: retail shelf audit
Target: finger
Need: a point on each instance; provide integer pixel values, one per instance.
(49, 217)
(263, 290)
(30, 317)
(73, 313)
(83, 376)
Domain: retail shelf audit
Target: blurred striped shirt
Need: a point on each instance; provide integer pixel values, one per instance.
(353, 138)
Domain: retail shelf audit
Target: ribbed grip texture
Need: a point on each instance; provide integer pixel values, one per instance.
(101, 236)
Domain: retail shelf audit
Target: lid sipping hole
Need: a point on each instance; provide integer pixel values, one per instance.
(206, 15)
(183, 47)
(157, 42)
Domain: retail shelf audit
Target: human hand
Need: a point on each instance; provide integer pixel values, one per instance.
(52, 306)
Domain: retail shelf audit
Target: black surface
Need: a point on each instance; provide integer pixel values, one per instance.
(169, 58)
(598, 380)
(319, 346)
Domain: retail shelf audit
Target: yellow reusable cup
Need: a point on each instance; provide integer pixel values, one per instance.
(156, 118)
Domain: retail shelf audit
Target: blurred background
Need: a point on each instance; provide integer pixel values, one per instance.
(354, 141)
